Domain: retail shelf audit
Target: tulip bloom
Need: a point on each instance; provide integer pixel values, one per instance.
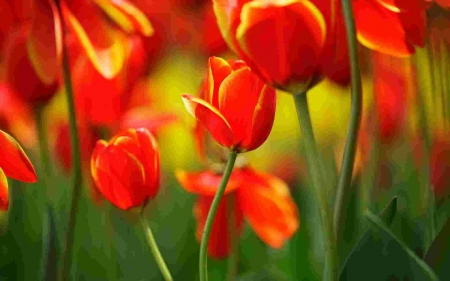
(311, 44)
(15, 164)
(262, 199)
(126, 170)
(238, 109)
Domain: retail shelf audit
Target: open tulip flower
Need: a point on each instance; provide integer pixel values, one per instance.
(238, 109)
(126, 169)
(262, 199)
(15, 164)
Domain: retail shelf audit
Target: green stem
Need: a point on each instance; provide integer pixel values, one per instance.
(44, 151)
(212, 214)
(345, 176)
(154, 247)
(234, 239)
(312, 157)
(76, 160)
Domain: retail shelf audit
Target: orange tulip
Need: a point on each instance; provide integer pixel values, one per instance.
(262, 199)
(15, 164)
(238, 109)
(126, 170)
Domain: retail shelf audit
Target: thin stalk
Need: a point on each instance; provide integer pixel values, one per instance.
(154, 247)
(44, 151)
(211, 215)
(232, 269)
(312, 156)
(76, 160)
(345, 176)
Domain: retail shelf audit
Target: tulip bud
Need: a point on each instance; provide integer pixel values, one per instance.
(238, 109)
(126, 169)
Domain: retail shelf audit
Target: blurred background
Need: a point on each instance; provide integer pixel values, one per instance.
(404, 141)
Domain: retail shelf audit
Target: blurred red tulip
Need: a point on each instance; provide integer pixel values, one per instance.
(443, 3)
(212, 42)
(18, 68)
(262, 199)
(390, 26)
(126, 170)
(15, 164)
(16, 116)
(392, 82)
(293, 32)
(238, 109)
(102, 101)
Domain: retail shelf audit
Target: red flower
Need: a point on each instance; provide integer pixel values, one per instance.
(392, 82)
(262, 199)
(390, 26)
(238, 109)
(126, 170)
(15, 164)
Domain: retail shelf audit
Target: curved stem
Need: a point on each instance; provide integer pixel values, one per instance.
(312, 157)
(154, 247)
(212, 214)
(345, 176)
(76, 160)
(44, 151)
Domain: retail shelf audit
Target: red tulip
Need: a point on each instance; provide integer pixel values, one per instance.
(15, 164)
(126, 170)
(392, 82)
(20, 75)
(262, 199)
(238, 109)
(390, 26)
(443, 3)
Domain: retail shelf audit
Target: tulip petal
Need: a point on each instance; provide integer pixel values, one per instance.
(207, 182)
(14, 161)
(126, 15)
(238, 96)
(218, 70)
(263, 118)
(444, 3)
(404, 5)
(219, 241)
(45, 40)
(104, 50)
(387, 36)
(211, 118)
(120, 177)
(228, 18)
(269, 208)
(98, 149)
(4, 195)
(293, 30)
(150, 160)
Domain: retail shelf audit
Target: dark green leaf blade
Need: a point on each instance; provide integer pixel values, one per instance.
(438, 255)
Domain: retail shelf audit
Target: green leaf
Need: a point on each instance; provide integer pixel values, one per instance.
(49, 268)
(380, 255)
(438, 255)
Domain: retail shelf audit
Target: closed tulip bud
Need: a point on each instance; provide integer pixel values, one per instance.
(126, 170)
(238, 109)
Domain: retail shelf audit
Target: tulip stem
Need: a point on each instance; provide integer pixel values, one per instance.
(44, 151)
(76, 160)
(211, 215)
(154, 247)
(348, 159)
(312, 157)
